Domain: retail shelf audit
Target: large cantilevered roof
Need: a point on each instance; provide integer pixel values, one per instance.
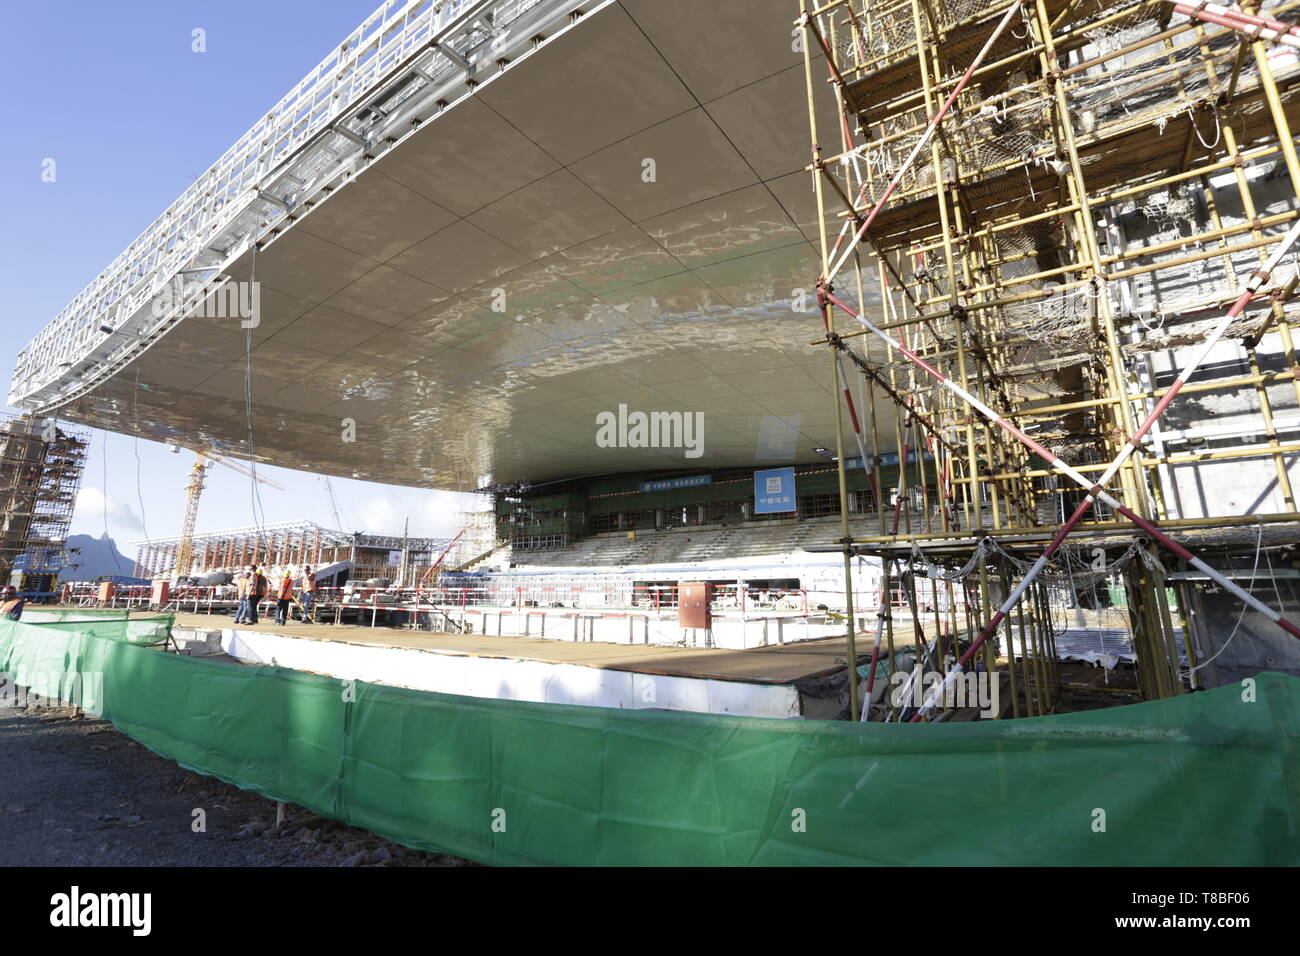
(474, 264)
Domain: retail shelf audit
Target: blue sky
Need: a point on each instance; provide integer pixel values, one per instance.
(114, 94)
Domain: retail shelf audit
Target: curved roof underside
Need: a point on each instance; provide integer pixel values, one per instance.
(377, 304)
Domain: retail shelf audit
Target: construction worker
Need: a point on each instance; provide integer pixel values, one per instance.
(257, 591)
(284, 597)
(243, 590)
(11, 604)
(308, 595)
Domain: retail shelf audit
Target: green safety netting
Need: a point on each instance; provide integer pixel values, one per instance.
(35, 614)
(137, 630)
(1204, 779)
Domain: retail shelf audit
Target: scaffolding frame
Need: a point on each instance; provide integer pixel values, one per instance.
(41, 462)
(289, 544)
(1006, 181)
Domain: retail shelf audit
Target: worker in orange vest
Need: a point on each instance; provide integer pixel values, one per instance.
(283, 598)
(257, 591)
(11, 604)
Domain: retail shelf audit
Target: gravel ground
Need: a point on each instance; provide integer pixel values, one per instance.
(75, 792)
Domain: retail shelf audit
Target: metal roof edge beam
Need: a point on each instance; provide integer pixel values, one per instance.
(282, 203)
(446, 50)
(350, 135)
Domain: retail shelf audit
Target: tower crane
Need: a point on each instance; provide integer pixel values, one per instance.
(203, 460)
(434, 568)
(334, 505)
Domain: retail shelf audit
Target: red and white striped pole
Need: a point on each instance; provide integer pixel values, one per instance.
(1257, 279)
(1257, 28)
(1253, 19)
(1095, 490)
(925, 138)
(853, 413)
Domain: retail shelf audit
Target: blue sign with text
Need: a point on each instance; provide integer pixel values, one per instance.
(666, 483)
(888, 459)
(773, 491)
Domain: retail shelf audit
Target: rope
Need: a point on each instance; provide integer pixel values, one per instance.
(1218, 132)
(103, 445)
(255, 495)
(988, 547)
(1259, 547)
(135, 445)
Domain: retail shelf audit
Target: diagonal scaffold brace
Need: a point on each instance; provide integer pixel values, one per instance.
(1096, 490)
(926, 135)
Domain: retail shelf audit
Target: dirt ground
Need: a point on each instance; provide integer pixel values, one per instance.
(75, 792)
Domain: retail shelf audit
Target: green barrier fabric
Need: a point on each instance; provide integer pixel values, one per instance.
(137, 630)
(1205, 779)
(38, 614)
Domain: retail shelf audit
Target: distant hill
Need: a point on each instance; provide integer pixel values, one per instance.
(97, 556)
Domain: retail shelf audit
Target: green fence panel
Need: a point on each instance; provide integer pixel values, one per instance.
(268, 729)
(45, 664)
(1211, 778)
(38, 614)
(136, 630)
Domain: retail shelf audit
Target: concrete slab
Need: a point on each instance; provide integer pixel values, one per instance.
(773, 664)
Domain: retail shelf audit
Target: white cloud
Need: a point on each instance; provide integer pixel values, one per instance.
(432, 513)
(89, 515)
(379, 514)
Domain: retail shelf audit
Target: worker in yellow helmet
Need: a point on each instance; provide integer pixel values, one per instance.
(257, 592)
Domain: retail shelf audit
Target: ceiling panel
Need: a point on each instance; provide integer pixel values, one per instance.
(729, 226)
(458, 258)
(615, 261)
(382, 304)
(718, 46)
(387, 296)
(692, 160)
(466, 158)
(529, 290)
(768, 121)
(276, 310)
(230, 383)
(549, 215)
(308, 267)
(376, 217)
(328, 330)
(597, 105)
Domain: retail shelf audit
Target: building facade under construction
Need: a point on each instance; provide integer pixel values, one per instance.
(41, 462)
(397, 560)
